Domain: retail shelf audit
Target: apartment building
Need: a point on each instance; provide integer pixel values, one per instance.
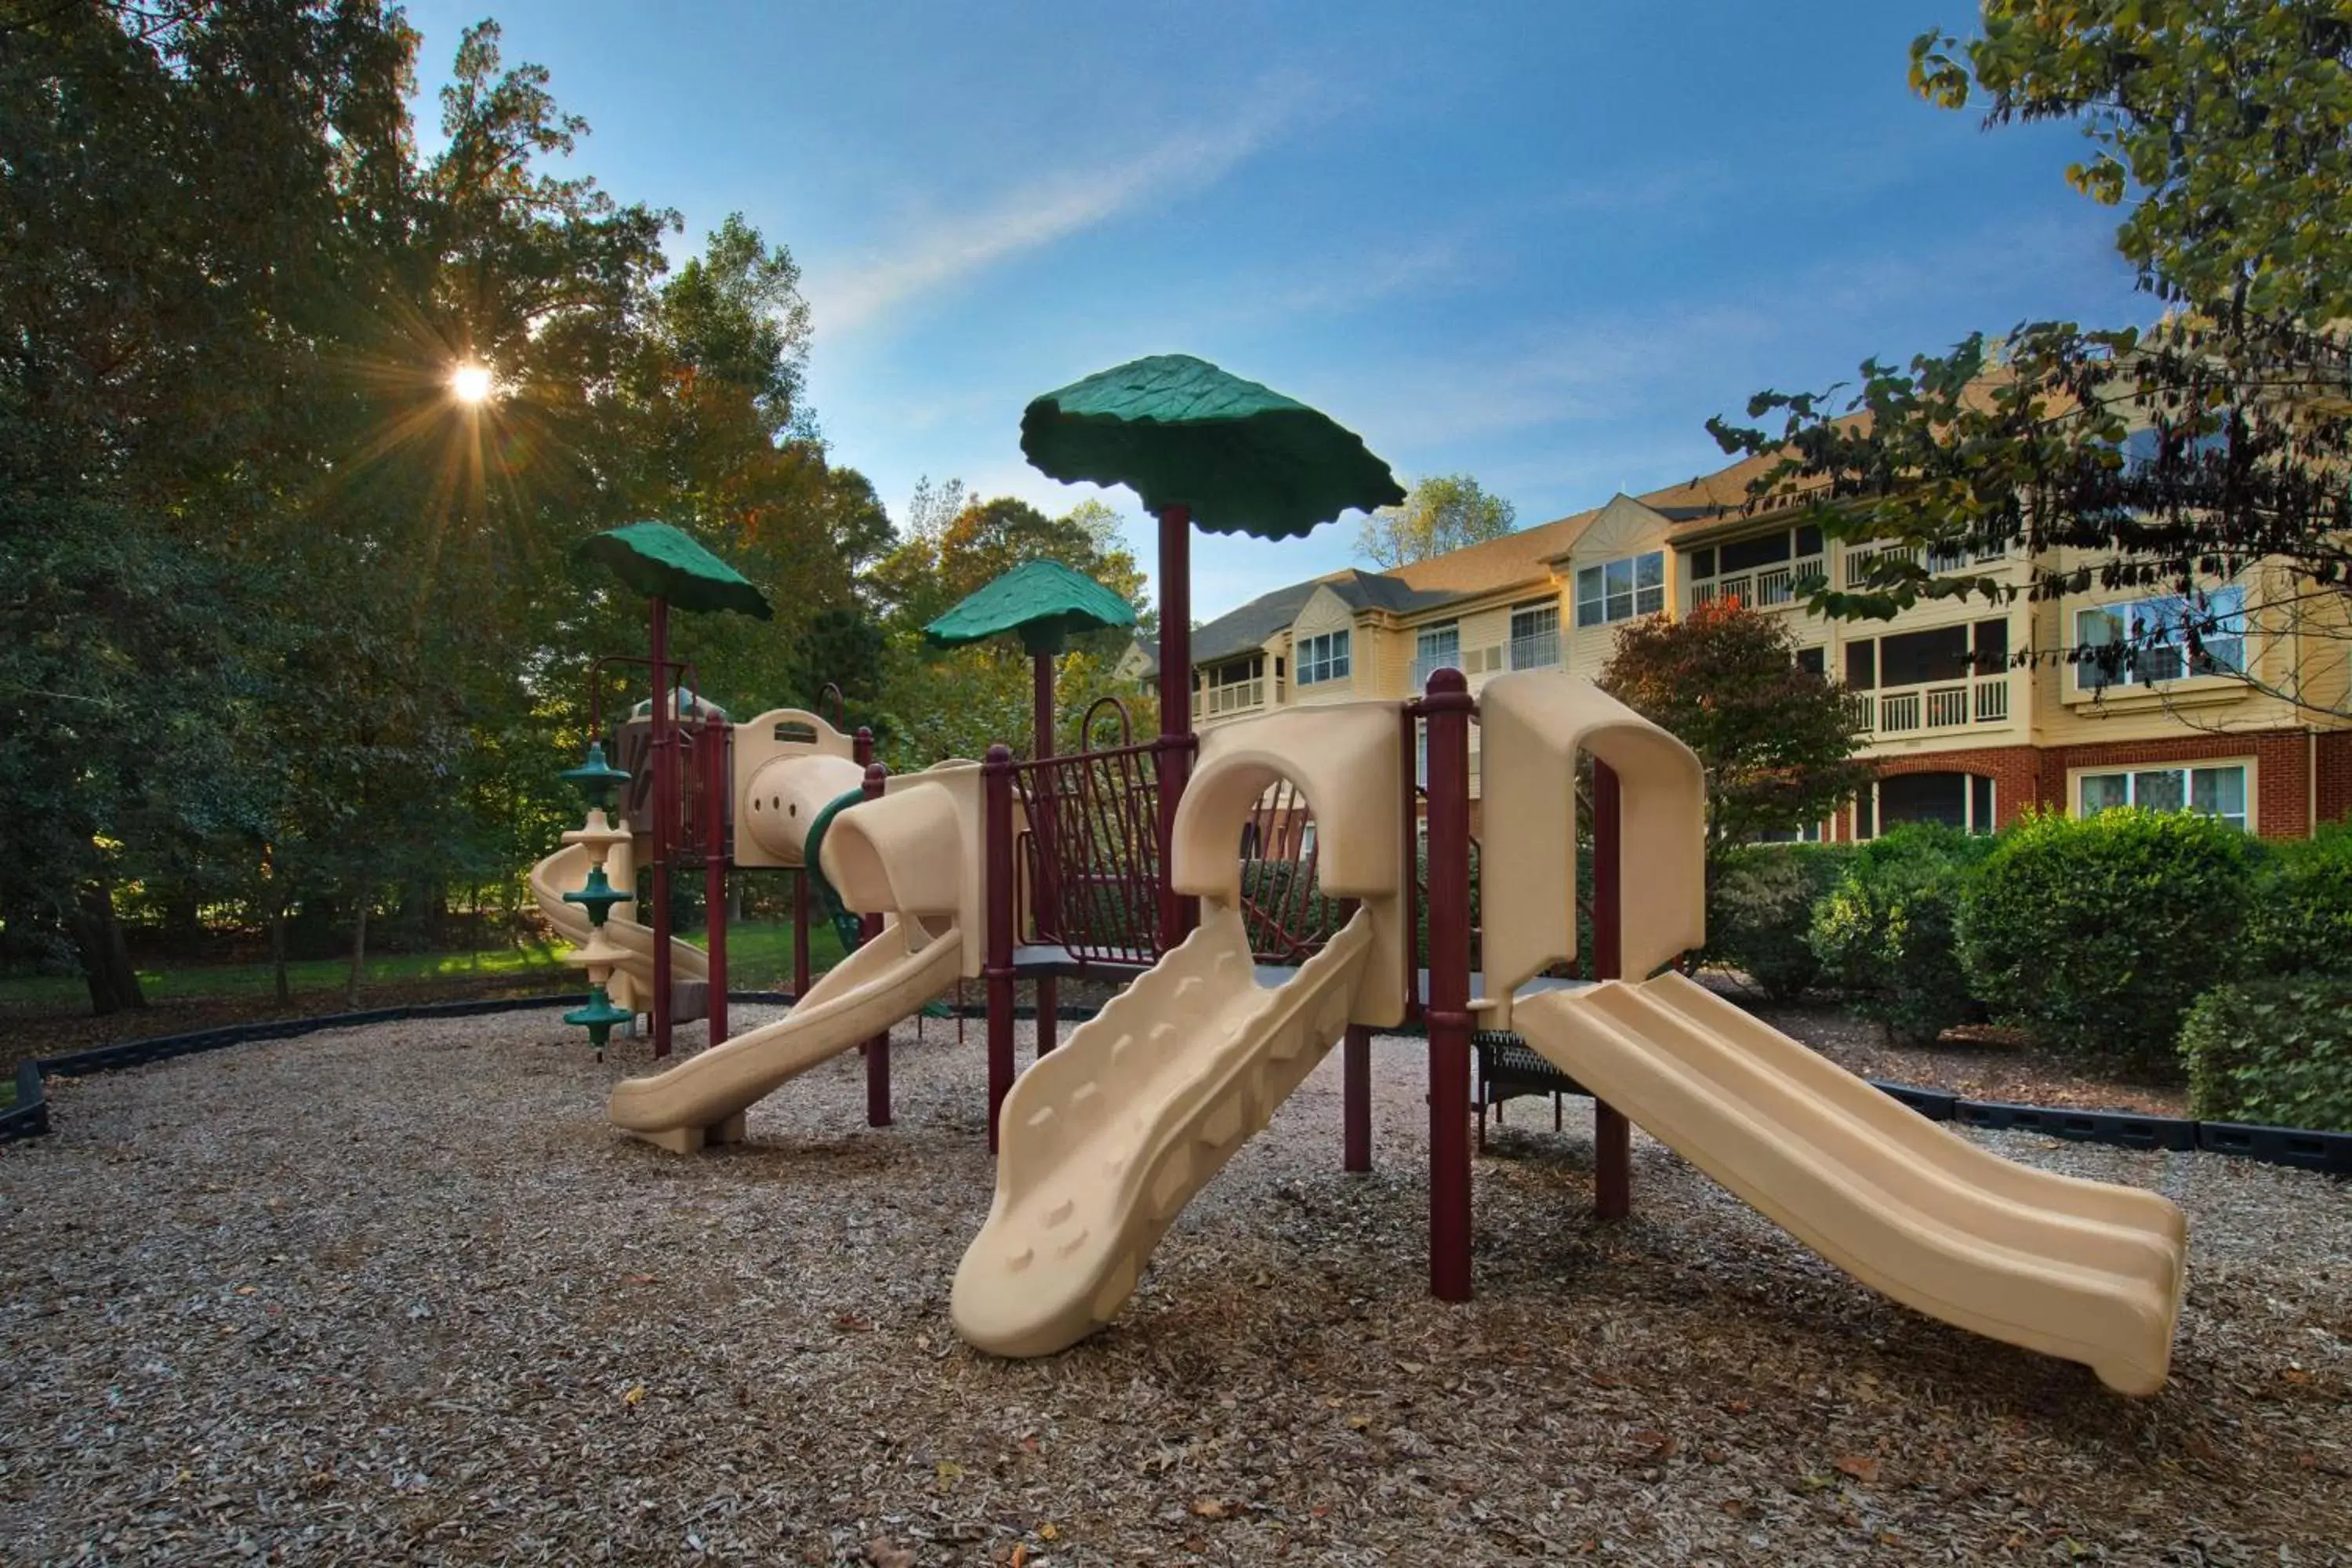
(1964, 729)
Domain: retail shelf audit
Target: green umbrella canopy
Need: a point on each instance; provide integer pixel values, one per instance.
(661, 562)
(1045, 601)
(1181, 432)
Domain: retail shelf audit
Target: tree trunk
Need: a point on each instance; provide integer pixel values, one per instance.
(105, 957)
(359, 951)
(278, 952)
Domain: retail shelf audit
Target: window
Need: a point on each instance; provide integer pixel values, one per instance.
(1813, 660)
(1620, 590)
(1322, 658)
(2149, 640)
(1535, 636)
(1435, 648)
(1956, 800)
(1808, 834)
(2217, 792)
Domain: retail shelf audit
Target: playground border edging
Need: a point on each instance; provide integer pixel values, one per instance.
(2328, 1153)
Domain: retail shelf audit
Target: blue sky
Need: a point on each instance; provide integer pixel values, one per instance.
(1537, 243)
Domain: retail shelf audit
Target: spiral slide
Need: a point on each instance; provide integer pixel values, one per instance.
(566, 871)
(2081, 1269)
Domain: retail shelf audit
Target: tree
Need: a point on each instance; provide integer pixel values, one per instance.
(1778, 742)
(2201, 448)
(1446, 512)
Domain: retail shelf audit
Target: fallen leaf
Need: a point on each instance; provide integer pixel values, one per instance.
(1861, 1467)
(1208, 1508)
(882, 1551)
(1357, 1423)
(1020, 1557)
(641, 1278)
(634, 1396)
(1046, 1532)
(2295, 1374)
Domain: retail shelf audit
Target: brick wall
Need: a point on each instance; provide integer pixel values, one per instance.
(2335, 776)
(2029, 776)
(2282, 770)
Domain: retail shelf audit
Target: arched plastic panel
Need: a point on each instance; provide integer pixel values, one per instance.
(1347, 759)
(786, 796)
(1531, 727)
(901, 855)
(778, 733)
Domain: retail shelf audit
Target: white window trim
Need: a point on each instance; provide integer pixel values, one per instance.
(2074, 777)
(2128, 683)
(1340, 645)
(1575, 589)
(1853, 813)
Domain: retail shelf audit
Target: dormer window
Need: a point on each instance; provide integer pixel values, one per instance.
(1323, 657)
(1619, 590)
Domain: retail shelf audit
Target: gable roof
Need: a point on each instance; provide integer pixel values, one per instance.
(1245, 629)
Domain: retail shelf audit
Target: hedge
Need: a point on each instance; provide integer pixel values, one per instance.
(1759, 911)
(2275, 1051)
(2301, 919)
(2096, 934)
(1884, 933)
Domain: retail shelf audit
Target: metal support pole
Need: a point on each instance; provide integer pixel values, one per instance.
(1046, 889)
(877, 1050)
(1448, 708)
(657, 752)
(1355, 1097)
(1173, 756)
(715, 850)
(996, 773)
(1612, 1135)
(800, 933)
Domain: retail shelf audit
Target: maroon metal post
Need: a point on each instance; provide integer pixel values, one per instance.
(877, 1050)
(1448, 707)
(996, 775)
(657, 752)
(1177, 741)
(800, 933)
(1049, 991)
(1612, 1135)
(715, 783)
(1355, 1097)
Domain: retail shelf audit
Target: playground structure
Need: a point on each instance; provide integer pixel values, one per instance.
(1251, 947)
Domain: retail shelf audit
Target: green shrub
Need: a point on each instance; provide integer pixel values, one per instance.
(2301, 919)
(1759, 912)
(2097, 934)
(1884, 932)
(2275, 1051)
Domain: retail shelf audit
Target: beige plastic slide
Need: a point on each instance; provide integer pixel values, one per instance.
(2082, 1269)
(909, 856)
(702, 1099)
(1108, 1139)
(565, 871)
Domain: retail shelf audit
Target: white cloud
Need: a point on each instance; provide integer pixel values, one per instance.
(1042, 211)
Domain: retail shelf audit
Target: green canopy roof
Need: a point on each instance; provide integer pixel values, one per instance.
(661, 562)
(1045, 601)
(1181, 432)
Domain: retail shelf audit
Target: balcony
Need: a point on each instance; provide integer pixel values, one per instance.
(1234, 697)
(1765, 588)
(1859, 559)
(1929, 709)
(1536, 651)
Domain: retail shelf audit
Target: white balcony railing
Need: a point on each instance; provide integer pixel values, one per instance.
(1538, 650)
(1919, 709)
(1768, 588)
(1862, 557)
(1234, 697)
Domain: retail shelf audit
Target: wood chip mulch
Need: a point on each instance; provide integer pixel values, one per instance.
(398, 1294)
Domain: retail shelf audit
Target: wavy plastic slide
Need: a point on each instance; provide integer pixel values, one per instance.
(1107, 1139)
(702, 1099)
(567, 869)
(2081, 1269)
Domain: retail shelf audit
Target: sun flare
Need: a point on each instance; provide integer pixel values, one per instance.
(472, 383)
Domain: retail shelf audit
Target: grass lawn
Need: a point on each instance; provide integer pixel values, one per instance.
(758, 958)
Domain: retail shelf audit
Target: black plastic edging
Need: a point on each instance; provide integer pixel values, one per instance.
(2327, 1152)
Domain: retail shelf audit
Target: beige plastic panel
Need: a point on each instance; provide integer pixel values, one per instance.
(1531, 727)
(702, 1099)
(1108, 1139)
(756, 744)
(1347, 759)
(2080, 1269)
(775, 805)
